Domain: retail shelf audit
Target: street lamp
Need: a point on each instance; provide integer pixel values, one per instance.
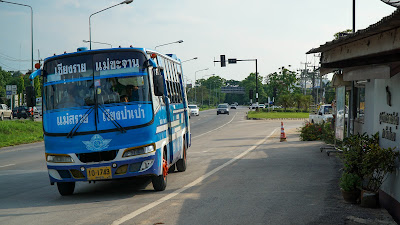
(97, 42)
(195, 96)
(180, 41)
(31, 25)
(90, 29)
(189, 59)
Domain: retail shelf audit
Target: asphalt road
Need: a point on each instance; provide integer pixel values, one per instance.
(238, 173)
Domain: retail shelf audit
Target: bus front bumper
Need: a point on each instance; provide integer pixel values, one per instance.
(148, 165)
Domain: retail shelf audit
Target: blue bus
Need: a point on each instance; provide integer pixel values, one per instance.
(113, 114)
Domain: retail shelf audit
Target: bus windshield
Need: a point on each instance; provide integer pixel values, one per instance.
(105, 78)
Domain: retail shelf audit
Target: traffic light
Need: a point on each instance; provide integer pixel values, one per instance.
(30, 96)
(223, 63)
(231, 61)
(251, 94)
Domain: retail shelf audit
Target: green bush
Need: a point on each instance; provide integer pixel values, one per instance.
(354, 149)
(350, 181)
(363, 156)
(314, 131)
(376, 163)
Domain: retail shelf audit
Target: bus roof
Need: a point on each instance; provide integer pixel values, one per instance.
(82, 50)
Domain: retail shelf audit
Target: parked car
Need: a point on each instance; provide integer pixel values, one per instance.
(22, 112)
(194, 110)
(5, 112)
(261, 106)
(253, 106)
(324, 114)
(223, 109)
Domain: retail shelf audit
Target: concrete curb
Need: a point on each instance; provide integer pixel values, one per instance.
(277, 118)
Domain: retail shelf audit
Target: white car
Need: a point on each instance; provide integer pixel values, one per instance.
(194, 110)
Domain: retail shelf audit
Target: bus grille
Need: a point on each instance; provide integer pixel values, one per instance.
(97, 156)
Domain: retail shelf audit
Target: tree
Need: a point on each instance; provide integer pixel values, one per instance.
(38, 87)
(342, 33)
(249, 83)
(5, 78)
(305, 102)
(286, 100)
(211, 90)
(284, 82)
(298, 98)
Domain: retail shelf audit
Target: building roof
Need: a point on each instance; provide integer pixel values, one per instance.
(395, 3)
(387, 23)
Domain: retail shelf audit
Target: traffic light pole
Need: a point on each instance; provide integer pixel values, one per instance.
(256, 76)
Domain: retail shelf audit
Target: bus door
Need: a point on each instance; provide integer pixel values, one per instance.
(185, 112)
(170, 114)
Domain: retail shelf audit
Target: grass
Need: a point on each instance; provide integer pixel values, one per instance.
(276, 115)
(20, 132)
(206, 107)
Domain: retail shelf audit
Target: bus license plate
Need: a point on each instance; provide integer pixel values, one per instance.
(99, 173)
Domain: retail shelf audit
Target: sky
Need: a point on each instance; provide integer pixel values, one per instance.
(276, 33)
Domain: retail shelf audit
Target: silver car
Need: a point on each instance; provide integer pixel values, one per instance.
(223, 109)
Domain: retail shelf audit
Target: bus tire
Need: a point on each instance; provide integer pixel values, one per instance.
(66, 188)
(160, 182)
(182, 163)
(171, 169)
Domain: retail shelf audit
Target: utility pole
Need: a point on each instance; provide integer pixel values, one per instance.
(304, 75)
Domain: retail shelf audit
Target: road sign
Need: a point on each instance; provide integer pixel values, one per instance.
(14, 92)
(8, 96)
(231, 61)
(8, 87)
(14, 87)
(8, 92)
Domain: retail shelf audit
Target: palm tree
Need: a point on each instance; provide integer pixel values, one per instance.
(286, 101)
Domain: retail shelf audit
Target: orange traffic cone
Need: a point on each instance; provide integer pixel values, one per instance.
(283, 135)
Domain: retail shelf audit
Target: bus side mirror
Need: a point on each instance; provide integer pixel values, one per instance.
(30, 96)
(151, 63)
(158, 85)
(35, 74)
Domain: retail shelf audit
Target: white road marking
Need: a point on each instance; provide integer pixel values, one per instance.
(215, 128)
(7, 165)
(194, 183)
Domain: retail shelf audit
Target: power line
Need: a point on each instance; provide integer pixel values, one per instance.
(9, 58)
(12, 68)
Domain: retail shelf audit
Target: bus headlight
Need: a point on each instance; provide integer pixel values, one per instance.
(59, 158)
(138, 151)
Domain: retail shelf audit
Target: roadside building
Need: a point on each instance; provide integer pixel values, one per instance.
(368, 62)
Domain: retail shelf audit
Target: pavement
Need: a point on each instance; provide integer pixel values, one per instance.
(337, 211)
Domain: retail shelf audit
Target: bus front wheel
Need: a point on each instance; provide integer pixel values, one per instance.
(66, 188)
(160, 182)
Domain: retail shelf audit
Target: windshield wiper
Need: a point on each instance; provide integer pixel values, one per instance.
(76, 127)
(112, 119)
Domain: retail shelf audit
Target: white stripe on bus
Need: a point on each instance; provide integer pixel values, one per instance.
(179, 110)
(161, 128)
